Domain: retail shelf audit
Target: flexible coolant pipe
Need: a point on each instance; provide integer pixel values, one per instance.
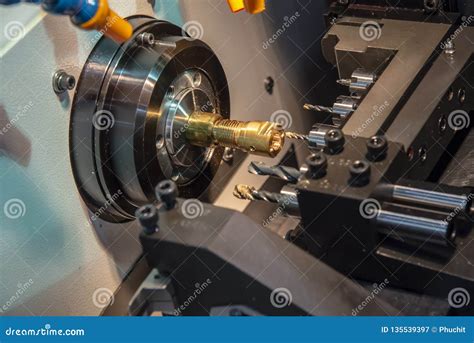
(87, 14)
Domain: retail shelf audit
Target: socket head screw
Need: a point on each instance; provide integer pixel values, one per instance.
(146, 39)
(62, 82)
(167, 192)
(360, 173)
(334, 141)
(317, 165)
(148, 217)
(377, 148)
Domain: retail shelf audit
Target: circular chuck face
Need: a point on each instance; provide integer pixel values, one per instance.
(130, 114)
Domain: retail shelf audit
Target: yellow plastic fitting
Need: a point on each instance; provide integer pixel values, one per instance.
(251, 6)
(109, 23)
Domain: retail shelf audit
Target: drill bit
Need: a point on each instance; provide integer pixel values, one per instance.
(318, 108)
(288, 174)
(245, 192)
(294, 135)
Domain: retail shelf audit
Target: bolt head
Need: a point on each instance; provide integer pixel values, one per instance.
(334, 141)
(146, 38)
(148, 217)
(167, 192)
(62, 81)
(377, 148)
(360, 173)
(317, 165)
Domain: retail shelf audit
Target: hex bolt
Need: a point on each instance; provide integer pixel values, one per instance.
(377, 148)
(334, 141)
(146, 39)
(167, 192)
(360, 173)
(269, 85)
(317, 165)
(62, 81)
(148, 217)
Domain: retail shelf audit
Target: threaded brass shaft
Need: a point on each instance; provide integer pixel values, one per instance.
(256, 137)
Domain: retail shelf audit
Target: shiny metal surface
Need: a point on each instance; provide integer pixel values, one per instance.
(122, 143)
(360, 81)
(264, 138)
(430, 198)
(181, 162)
(342, 109)
(352, 51)
(403, 226)
(317, 135)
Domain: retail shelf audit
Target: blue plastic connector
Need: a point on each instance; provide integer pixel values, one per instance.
(80, 11)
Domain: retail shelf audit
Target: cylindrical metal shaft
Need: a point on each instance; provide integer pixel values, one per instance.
(256, 137)
(430, 197)
(414, 227)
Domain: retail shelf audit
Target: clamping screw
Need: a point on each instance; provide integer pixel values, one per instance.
(167, 192)
(148, 217)
(317, 165)
(63, 81)
(334, 141)
(146, 39)
(360, 173)
(377, 148)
